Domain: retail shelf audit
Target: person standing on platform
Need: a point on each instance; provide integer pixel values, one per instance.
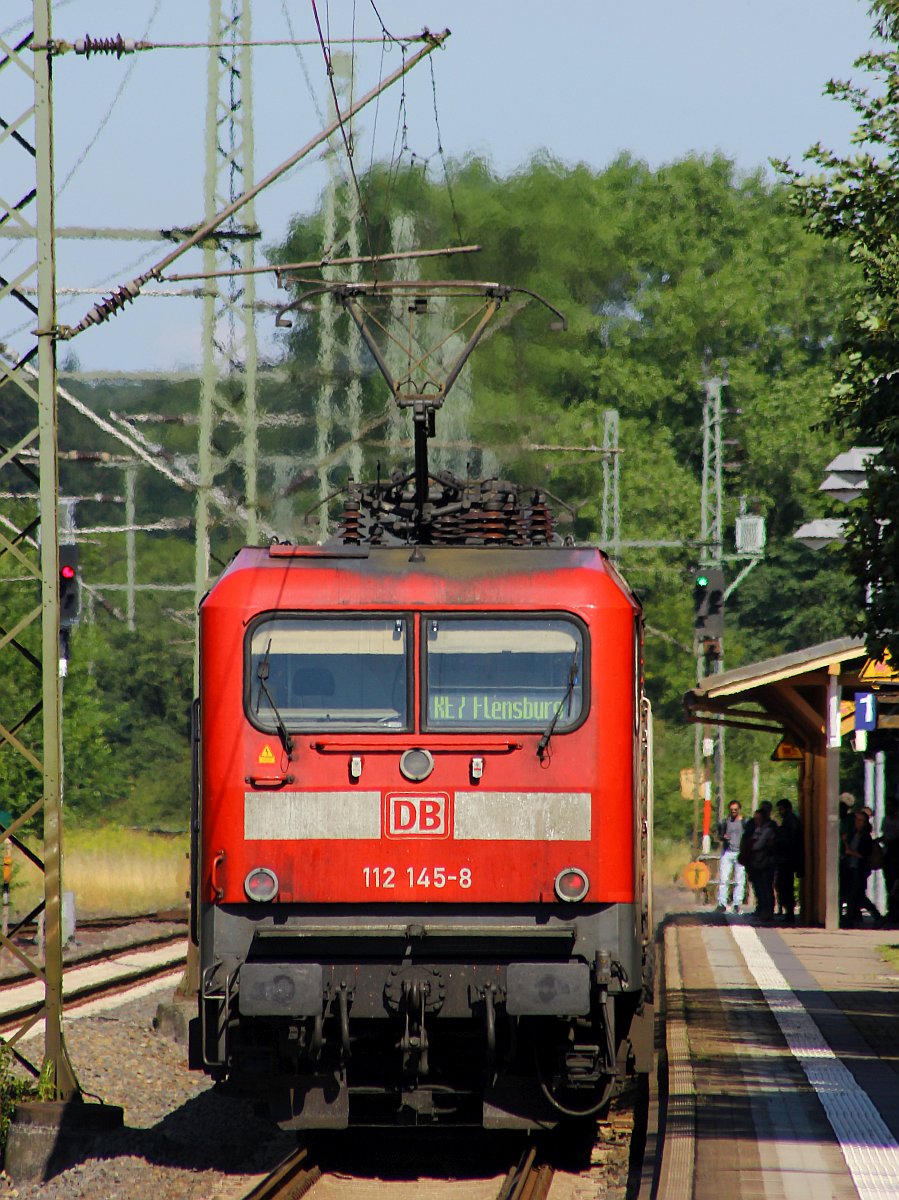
(889, 840)
(761, 864)
(847, 827)
(731, 831)
(858, 868)
(789, 859)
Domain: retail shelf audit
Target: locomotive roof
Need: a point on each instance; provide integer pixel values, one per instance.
(376, 575)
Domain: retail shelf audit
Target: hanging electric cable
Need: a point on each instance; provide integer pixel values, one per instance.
(343, 131)
(449, 186)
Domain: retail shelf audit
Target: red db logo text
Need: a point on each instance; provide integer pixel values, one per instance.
(413, 815)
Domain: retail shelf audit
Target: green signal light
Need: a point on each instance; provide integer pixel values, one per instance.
(702, 581)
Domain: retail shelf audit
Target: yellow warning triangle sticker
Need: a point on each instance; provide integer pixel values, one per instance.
(266, 755)
(879, 672)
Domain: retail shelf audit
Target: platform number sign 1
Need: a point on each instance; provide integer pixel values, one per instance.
(865, 711)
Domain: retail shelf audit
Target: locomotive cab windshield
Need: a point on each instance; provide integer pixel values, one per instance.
(335, 674)
(509, 671)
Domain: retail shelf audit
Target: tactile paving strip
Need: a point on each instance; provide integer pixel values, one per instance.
(678, 1154)
(870, 1150)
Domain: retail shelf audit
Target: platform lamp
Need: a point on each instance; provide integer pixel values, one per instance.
(846, 480)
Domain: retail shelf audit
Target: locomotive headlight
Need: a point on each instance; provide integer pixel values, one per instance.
(261, 884)
(417, 764)
(571, 884)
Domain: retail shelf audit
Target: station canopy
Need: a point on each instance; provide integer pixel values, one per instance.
(785, 695)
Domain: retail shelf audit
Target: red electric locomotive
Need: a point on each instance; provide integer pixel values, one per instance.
(420, 870)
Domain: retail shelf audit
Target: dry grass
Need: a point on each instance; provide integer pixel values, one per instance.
(890, 955)
(112, 871)
(669, 859)
(116, 871)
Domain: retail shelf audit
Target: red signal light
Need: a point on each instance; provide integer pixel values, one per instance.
(67, 572)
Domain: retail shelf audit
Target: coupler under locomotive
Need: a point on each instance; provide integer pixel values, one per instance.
(449, 1040)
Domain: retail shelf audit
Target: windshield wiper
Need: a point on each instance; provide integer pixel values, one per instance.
(543, 744)
(262, 676)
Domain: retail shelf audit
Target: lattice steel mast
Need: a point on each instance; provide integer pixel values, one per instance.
(711, 554)
(26, 158)
(229, 326)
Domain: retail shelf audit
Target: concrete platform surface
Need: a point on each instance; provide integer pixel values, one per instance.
(793, 1038)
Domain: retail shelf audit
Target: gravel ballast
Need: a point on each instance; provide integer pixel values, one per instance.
(180, 1141)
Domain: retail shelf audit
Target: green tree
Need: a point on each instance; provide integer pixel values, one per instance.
(854, 200)
(655, 270)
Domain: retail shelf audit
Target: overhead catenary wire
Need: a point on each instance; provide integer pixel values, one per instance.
(446, 177)
(312, 264)
(347, 142)
(127, 292)
(119, 46)
(104, 120)
(399, 134)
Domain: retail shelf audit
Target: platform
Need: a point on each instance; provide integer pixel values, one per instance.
(782, 1063)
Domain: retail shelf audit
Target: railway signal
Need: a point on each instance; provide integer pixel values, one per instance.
(69, 586)
(708, 605)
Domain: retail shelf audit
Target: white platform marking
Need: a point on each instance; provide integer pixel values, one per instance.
(870, 1150)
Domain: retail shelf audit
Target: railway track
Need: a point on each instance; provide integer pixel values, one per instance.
(528, 1179)
(104, 974)
(291, 1179)
(101, 954)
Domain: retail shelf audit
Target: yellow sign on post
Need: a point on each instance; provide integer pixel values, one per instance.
(695, 875)
(787, 751)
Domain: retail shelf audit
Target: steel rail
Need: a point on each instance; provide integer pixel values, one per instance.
(291, 1179)
(528, 1180)
(91, 991)
(95, 956)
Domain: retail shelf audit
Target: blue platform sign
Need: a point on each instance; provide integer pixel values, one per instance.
(865, 711)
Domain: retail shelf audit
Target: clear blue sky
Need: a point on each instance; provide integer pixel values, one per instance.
(584, 80)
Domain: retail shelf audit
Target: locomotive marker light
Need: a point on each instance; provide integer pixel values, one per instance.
(261, 884)
(571, 884)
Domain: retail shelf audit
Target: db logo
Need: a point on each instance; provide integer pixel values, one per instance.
(414, 815)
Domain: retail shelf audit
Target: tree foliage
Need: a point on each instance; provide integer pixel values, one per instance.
(854, 200)
(657, 271)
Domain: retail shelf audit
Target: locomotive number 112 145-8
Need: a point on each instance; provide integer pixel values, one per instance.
(421, 877)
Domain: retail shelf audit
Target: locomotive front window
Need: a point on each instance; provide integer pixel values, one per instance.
(503, 673)
(315, 673)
